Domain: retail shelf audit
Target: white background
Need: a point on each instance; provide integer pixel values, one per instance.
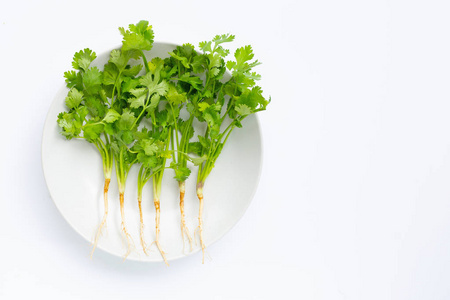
(354, 198)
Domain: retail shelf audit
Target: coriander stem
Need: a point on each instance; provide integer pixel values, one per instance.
(173, 146)
(145, 61)
(175, 124)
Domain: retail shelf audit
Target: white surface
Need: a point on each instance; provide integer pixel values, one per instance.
(74, 176)
(354, 199)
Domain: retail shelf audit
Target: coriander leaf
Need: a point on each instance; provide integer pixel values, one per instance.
(138, 37)
(73, 79)
(72, 122)
(111, 116)
(165, 154)
(243, 110)
(183, 60)
(195, 81)
(150, 147)
(205, 46)
(241, 67)
(70, 127)
(202, 106)
(223, 38)
(148, 161)
(129, 84)
(252, 98)
(199, 64)
(198, 160)
(132, 71)
(118, 58)
(151, 83)
(126, 120)
(181, 173)
(92, 80)
(95, 106)
(74, 98)
(221, 51)
(195, 147)
(110, 74)
(83, 58)
(127, 137)
(204, 142)
(92, 131)
(174, 97)
(139, 99)
(154, 101)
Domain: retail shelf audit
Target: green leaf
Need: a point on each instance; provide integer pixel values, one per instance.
(183, 60)
(74, 98)
(110, 74)
(119, 58)
(95, 106)
(242, 66)
(221, 51)
(140, 96)
(127, 137)
(132, 71)
(212, 118)
(202, 106)
(129, 84)
(196, 148)
(138, 37)
(252, 98)
(111, 116)
(162, 118)
(149, 147)
(73, 79)
(243, 55)
(72, 122)
(151, 83)
(110, 128)
(115, 148)
(154, 101)
(204, 142)
(195, 81)
(148, 161)
(126, 120)
(205, 46)
(181, 173)
(174, 97)
(243, 110)
(199, 64)
(91, 131)
(70, 127)
(215, 61)
(198, 160)
(165, 154)
(92, 80)
(83, 58)
(224, 38)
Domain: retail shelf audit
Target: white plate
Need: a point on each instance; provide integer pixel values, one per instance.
(74, 176)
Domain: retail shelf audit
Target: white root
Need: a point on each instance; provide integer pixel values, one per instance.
(105, 215)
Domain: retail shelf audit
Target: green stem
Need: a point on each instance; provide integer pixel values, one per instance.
(175, 124)
(140, 181)
(145, 61)
(173, 146)
(184, 142)
(230, 126)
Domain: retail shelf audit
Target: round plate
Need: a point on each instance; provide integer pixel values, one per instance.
(74, 177)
